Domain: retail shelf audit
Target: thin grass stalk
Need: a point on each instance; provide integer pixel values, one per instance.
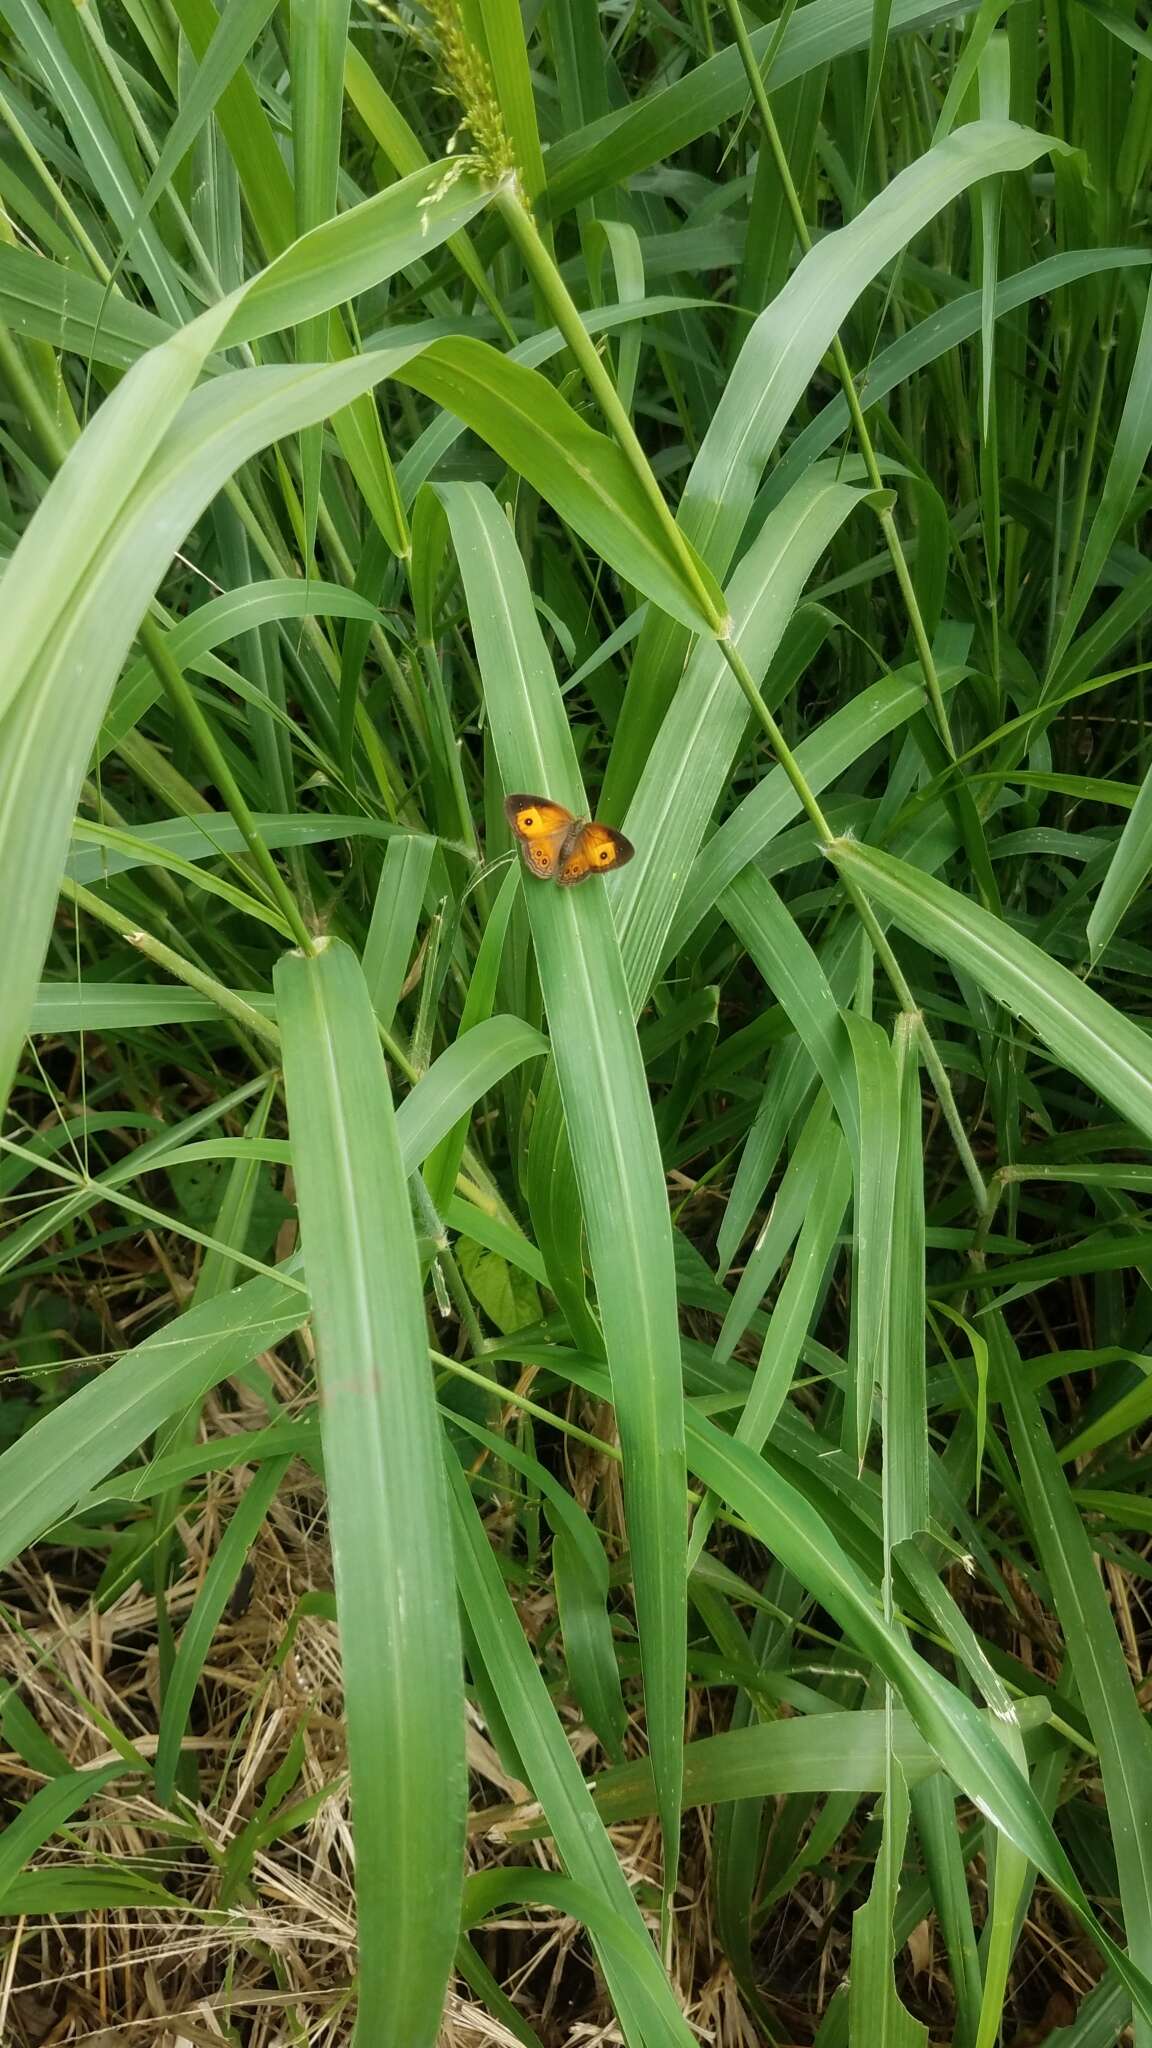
(847, 382)
(541, 266)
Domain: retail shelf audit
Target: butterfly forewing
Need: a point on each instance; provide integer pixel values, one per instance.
(542, 828)
(535, 817)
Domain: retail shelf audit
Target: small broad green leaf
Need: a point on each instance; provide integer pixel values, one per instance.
(507, 1297)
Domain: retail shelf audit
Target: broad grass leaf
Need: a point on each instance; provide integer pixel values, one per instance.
(1128, 870)
(1089, 1036)
(876, 2015)
(579, 470)
(640, 1991)
(50, 1808)
(878, 1086)
(383, 1461)
(91, 557)
(608, 1115)
(1103, 1678)
(691, 762)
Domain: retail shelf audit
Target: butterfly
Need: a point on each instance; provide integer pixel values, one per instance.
(558, 847)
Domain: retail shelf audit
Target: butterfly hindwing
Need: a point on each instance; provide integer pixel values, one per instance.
(557, 845)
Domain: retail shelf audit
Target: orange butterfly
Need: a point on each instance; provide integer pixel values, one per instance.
(556, 846)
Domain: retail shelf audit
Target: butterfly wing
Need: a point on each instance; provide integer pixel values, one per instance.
(542, 828)
(592, 850)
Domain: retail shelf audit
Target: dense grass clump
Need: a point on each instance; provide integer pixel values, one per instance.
(573, 1459)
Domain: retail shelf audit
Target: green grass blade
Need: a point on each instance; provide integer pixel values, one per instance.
(1127, 873)
(1086, 1033)
(582, 1585)
(50, 1808)
(609, 1119)
(823, 1751)
(791, 336)
(797, 980)
(319, 31)
(99, 148)
(263, 174)
(878, 1086)
(507, 53)
(776, 365)
(902, 1391)
(935, 337)
(876, 2017)
(794, 1308)
(346, 256)
(620, 144)
(580, 471)
(456, 1080)
(812, 1159)
(193, 641)
(842, 739)
(443, 1168)
(201, 1625)
(691, 761)
(641, 1992)
(396, 912)
(1129, 456)
(557, 1219)
(1103, 1679)
(403, 1678)
(239, 28)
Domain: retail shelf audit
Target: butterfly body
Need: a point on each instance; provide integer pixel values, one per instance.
(562, 848)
